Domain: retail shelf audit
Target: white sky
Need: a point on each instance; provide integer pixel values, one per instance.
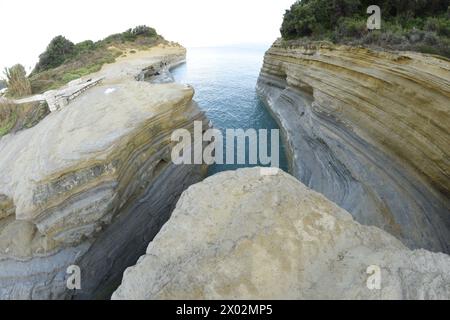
(27, 26)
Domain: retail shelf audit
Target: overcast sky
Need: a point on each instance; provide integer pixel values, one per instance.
(27, 26)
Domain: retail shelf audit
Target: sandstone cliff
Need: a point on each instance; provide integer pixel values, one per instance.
(264, 235)
(370, 130)
(92, 183)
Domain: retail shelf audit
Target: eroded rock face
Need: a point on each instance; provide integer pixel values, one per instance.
(370, 131)
(249, 235)
(92, 183)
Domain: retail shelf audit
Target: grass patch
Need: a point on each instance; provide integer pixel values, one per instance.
(14, 117)
(8, 118)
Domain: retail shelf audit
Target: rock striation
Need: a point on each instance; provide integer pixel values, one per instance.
(264, 235)
(93, 183)
(369, 130)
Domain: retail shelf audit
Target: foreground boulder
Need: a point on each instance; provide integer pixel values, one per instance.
(255, 234)
(92, 183)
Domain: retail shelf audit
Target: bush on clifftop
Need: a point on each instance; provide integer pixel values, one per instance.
(58, 50)
(420, 25)
(16, 81)
(64, 61)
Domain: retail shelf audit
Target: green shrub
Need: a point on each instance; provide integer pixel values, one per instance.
(60, 50)
(440, 25)
(132, 35)
(14, 117)
(406, 25)
(56, 53)
(8, 118)
(351, 27)
(144, 31)
(392, 38)
(431, 38)
(64, 61)
(17, 82)
(84, 46)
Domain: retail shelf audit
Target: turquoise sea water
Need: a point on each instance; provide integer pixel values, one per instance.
(224, 80)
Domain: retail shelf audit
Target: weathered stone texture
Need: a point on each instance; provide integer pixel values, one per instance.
(246, 235)
(370, 131)
(92, 183)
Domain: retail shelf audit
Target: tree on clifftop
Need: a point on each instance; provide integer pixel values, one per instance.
(418, 25)
(56, 53)
(315, 17)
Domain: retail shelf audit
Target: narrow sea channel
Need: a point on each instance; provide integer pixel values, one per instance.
(224, 80)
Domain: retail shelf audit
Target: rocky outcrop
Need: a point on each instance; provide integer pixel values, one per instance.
(92, 183)
(261, 234)
(370, 131)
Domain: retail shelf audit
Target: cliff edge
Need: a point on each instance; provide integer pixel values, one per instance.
(93, 182)
(368, 129)
(259, 234)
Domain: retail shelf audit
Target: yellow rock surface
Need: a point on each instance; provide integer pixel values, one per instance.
(368, 126)
(93, 182)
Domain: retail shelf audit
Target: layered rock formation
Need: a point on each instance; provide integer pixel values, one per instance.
(370, 131)
(264, 235)
(92, 183)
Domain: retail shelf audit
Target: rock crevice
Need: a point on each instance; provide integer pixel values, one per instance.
(260, 236)
(93, 183)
